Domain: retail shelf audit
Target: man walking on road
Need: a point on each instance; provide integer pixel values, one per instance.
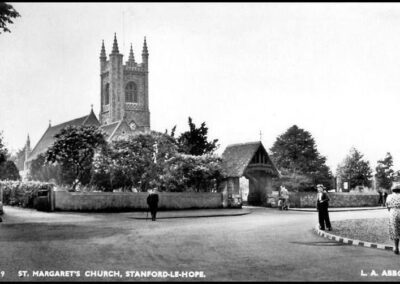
(152, 202)
(322, 207)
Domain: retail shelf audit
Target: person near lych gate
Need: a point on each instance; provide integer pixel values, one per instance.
(152, 202)
(322, 207)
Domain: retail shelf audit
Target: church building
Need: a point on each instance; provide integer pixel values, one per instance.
(124, 101)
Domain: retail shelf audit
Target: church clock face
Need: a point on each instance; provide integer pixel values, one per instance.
(132, 125)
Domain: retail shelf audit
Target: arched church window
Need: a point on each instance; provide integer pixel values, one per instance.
(131, 93)
(107, 94)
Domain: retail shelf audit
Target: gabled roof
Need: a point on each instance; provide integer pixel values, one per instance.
(109, 129)
(48, 137)
(112, 128)
(237, 157)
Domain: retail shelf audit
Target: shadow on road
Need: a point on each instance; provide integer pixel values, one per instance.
(320, 243)
(30, 232)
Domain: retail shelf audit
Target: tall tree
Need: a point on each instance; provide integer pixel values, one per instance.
(7, 13)
(40, 170)
(137, 161)
(384, 172)
(9, 171)
(195, 140)
(355, 170)
(3, 150)
(296, 156)
(74, 149)
(19, 158)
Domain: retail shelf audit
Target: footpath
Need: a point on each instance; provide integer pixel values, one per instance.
(341, 209)
(198, 213)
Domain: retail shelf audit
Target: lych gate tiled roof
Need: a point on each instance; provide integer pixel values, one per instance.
(48, 137)
(237, 157)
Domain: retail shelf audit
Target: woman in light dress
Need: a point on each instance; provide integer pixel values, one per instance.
(393, 205)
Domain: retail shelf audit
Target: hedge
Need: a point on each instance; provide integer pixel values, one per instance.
(18, 193)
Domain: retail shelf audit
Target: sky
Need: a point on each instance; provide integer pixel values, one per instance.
(332, 69)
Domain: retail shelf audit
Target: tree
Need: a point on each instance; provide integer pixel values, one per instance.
(8, 170)
(194, 141)
(7, 13)
(40, 170)
(134, 162)
(73, 149)
(355, 170)
(384, 172)
(192, 173)
(3, 150)
(19, 158)
(295, 154)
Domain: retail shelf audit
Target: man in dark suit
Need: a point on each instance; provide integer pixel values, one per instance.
(322, 207)
(152, 202)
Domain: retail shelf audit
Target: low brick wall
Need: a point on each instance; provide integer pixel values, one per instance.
(102, 201)
(337, 199)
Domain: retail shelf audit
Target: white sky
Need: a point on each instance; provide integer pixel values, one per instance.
(332, 69)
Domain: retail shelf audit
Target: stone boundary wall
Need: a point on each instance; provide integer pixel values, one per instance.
(124, 201)
(337, 199)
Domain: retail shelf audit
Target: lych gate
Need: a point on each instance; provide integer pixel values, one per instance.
(250, 160)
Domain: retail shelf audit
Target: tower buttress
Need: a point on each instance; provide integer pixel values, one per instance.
(116, 73)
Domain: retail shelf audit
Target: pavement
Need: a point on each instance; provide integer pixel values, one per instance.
(341, 209)
(198, 213)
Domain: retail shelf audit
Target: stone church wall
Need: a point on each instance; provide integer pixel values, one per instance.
(101, 201)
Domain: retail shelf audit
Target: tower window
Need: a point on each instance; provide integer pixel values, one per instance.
(131, 93)
(107, 94)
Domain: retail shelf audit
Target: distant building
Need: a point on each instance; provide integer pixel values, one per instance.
(124, 101)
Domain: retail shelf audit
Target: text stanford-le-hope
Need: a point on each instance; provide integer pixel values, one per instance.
(112, 273)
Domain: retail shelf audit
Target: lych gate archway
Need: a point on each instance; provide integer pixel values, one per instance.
(250, 160)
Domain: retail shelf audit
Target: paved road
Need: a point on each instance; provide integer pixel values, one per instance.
(268, 245)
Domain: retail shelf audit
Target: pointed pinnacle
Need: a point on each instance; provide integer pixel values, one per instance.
(131, 56)
(115, 44)
(145, 51)
(103, 51)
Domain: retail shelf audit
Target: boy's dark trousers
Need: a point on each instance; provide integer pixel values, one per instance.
(153, 212)
(323, 217)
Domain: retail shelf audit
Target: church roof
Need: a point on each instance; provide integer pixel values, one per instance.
(48, 137)
(237, 157)
(114, 128)
(110, 128)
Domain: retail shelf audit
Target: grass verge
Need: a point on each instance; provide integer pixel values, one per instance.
(371, 230)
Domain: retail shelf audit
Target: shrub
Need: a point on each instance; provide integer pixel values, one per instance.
(191, 173)
(21, 193)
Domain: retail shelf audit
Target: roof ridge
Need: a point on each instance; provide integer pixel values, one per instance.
(69, 121)
(245, 143)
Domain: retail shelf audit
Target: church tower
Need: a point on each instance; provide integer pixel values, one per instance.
(124, 91)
